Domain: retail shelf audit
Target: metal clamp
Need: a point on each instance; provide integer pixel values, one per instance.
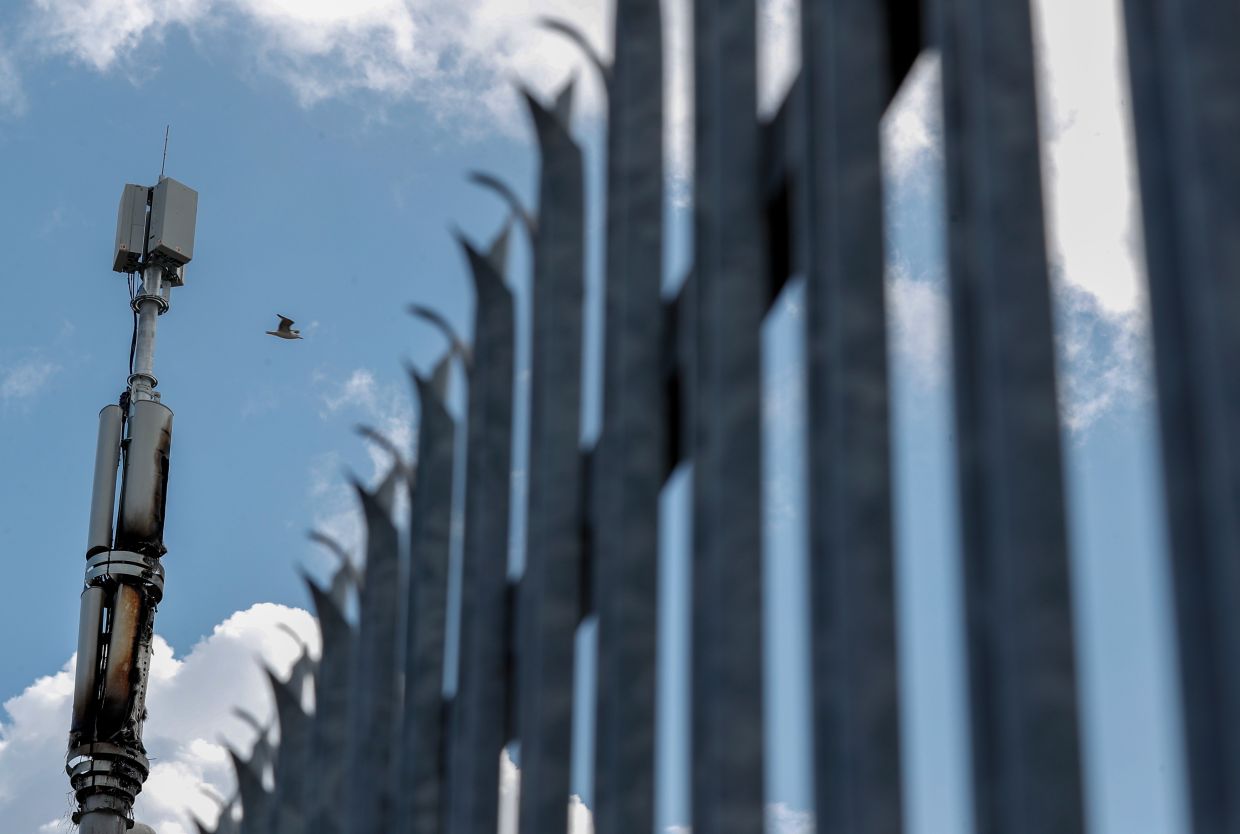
(154, 382)
(126, 566)
(149, 296)
(106, 776)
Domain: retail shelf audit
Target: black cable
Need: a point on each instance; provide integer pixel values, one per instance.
(133, 340)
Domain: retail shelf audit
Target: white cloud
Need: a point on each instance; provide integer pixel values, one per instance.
(26, 379)
(12, 97)
(100, 32)
(918, 326)
(782, 819)
(385, 406)
(1092, 201)
(334, 506)
(509, 794)
(451, 56)
(1104, 359)
(1102, 356)
(580, 820)
(912, 127)
(190, 704)
(779, 51)
(459, 58)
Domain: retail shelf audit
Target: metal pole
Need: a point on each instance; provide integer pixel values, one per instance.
(106, 761)
(102, 822)
(149, 304)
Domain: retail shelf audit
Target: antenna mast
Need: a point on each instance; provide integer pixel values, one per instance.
(164, 161)
(106, 761)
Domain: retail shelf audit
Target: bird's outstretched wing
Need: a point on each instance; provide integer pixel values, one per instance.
(286, 323)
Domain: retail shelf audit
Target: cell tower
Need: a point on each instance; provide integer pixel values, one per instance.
(124, 584)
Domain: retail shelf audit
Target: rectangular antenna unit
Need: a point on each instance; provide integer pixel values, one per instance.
(174, 210)
(130, 229)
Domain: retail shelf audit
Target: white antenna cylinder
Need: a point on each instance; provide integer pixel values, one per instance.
(103, 491)
(86, 679)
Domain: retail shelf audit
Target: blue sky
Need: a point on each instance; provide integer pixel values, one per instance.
(330, 148)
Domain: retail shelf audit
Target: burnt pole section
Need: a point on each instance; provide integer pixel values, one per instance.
(106, 761)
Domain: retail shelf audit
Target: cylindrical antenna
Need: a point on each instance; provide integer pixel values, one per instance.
(103, 492)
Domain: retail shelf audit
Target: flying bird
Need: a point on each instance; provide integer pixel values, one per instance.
(285, 330)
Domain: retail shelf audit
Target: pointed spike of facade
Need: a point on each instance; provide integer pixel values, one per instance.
(497, 252)
(373, 706)
(564, 102)
(440, 323)
(289, 796)
(505, 192)
(419, 771)
(549, 589)
(477, 730)
(330, 543)
(255, 800)
(385, 493)
(579, 39)
(330, 724)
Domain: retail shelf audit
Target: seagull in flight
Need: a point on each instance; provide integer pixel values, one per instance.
(285, 330)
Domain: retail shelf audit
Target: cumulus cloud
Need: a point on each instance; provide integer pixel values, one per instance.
(190, 704)
(100, 32)
(26, 379)
(450, 56)
(457, 58)
(1088, 163)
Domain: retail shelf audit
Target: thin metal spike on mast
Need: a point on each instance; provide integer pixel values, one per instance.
(164, 162)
